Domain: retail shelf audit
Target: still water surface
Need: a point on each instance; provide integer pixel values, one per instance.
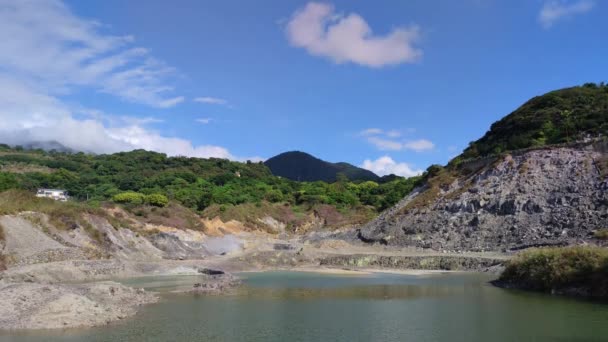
(284, 306)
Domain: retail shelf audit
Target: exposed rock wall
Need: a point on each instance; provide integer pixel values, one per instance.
(431, 262)
(31, 239)
(546, 196)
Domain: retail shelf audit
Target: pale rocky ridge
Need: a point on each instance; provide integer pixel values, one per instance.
(547, 196)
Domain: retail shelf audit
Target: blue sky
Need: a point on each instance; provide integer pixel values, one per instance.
(391, 85)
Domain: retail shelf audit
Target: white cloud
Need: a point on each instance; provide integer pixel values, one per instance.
(371, 131)
(385, 140)
(383, 144)
(419, 145)
(393, 133)
(30, 116)
(142, 138)
(555, 10)
(342, 39)
(211, 100)
(204, 121)
(386, 165)
(47, 52)
(45, 44)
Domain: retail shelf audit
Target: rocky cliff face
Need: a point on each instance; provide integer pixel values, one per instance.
(539, 197)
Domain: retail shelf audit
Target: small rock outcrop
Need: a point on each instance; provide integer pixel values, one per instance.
(216, 283)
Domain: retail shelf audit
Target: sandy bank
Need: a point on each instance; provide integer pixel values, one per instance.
(51, 306)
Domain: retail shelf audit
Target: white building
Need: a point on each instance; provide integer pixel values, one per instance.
(56, 194)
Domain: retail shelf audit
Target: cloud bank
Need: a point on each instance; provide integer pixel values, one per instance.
(321, 32)
(47, 52)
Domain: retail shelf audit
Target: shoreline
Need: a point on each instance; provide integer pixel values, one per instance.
(362, 271)
(63, 288)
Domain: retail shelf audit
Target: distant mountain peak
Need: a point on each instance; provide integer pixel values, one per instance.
(301, 166)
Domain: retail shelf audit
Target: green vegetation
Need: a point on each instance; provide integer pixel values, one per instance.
(601, 234)
(560, 270)
(130, 197)
(136, 198)
(559, 116)
(157, 200)
(300, 166)
(148, 178)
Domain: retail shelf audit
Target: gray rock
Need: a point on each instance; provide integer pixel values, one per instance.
(537, 197)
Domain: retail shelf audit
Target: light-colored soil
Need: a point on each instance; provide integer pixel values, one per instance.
(23, 239)
(58, 278)
(216, 227)
(45, 306)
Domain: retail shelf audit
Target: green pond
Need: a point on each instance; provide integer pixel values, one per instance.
(286, 306)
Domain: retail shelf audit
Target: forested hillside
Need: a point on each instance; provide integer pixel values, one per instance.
(195, 183)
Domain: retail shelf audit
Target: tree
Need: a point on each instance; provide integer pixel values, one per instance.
(8, 181)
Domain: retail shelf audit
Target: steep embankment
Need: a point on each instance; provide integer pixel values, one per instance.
(524, 183)
(540, 197)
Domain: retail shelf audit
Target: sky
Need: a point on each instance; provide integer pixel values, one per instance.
(391, 86)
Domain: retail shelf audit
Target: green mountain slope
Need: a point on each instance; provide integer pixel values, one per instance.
(300, 166)
(556, 117)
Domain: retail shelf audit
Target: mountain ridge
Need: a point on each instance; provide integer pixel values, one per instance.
(301, 166)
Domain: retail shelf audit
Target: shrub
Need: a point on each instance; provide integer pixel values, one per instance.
(157, 200)
(601, 234)
(129, 197)
(550, 269)
(274, 196)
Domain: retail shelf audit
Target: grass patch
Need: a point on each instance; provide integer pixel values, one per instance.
(173, 215)
(250, 213)
(25, 168)
(293, 216)
(523, 168)
(602, 166)
(62, 215)
(560, 269)
(435, 185)
(601, 234)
